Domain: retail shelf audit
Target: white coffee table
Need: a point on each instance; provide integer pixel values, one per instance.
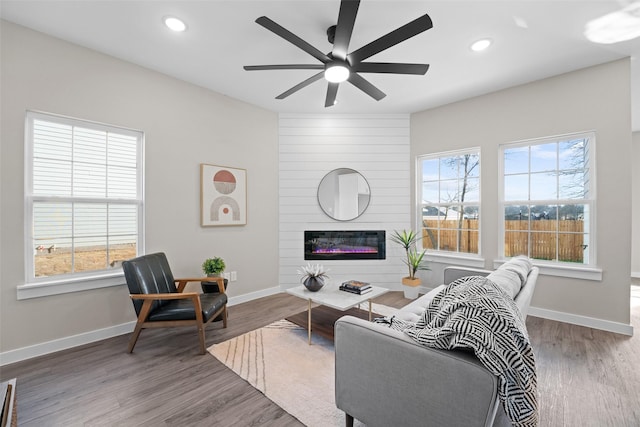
(331, 296)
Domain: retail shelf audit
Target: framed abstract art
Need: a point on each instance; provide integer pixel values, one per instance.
(223, 195)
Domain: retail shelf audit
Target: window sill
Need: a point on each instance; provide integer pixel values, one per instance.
(455, 259)
(64, 286)
(559, 270)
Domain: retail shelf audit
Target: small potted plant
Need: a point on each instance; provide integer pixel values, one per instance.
(313, 276)
(213, 267)
(414, 260)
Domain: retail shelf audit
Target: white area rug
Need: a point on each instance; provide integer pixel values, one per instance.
(298, 377)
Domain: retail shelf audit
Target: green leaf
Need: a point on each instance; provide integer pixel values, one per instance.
(213, 265)
(415, 260)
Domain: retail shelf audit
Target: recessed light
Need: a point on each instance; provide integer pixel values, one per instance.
(174, 24)
(481, 45)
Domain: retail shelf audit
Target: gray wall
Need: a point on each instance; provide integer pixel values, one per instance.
(596, 98)
(184, 125)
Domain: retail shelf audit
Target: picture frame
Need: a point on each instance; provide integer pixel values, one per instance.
(223, 196)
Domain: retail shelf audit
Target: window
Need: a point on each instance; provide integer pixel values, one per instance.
(450, 208)
(547, 199)
(83, 198)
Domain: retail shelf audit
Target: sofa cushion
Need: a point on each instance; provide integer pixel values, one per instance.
(507, 280)
(521, 265)
(412, 312)
(512, 275)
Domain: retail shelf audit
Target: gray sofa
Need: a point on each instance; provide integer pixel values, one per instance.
(384, 378)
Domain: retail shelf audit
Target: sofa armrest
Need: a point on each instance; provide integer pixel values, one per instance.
(384, 378)
(523, 299)
(452, 274)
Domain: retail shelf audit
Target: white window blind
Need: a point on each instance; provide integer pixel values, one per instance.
(84, 196)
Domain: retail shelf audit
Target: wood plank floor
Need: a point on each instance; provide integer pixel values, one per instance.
(585, 377)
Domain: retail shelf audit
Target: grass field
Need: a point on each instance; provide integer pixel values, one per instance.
(60, 261)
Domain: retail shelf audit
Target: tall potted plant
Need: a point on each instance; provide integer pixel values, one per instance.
(414, 260)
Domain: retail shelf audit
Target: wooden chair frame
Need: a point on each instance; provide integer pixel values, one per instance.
(199, 323)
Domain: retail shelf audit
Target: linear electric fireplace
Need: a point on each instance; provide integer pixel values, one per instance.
(344, 245)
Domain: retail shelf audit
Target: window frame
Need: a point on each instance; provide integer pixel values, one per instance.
(468, 259)
(588, 271)
(79, 281)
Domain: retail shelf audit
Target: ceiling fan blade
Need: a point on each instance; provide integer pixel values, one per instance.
(390, 67)
(396, 36)
(284, 67)
(364, 85)
(332, 91)
(344, 28)
(300, 85)
(292, 38)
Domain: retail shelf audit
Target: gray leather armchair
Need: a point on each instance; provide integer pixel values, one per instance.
(159, 303)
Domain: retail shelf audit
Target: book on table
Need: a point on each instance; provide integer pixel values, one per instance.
(355, 291)
(356, 287)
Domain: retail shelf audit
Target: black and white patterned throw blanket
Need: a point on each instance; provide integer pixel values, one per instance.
(474, 313)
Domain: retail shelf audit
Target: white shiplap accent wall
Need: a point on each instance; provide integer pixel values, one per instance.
(312, 145)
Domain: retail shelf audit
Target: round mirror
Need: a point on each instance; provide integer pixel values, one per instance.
(343, 194)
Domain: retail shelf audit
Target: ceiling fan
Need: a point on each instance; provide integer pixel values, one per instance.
(339, 65)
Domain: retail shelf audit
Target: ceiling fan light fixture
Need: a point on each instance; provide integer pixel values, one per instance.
(615, 27)
(480, 45)
(338, 65)
(336, 73)
(174, 24)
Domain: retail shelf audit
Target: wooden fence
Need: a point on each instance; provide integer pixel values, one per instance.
(545, 242)
(449, 234)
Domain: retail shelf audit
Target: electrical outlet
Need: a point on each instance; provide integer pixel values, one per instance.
(226, 276)
(234, 276)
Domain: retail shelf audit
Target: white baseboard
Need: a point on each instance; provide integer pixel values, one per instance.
(589, 322)
(29, 352)
(254, 295)
(41, 349)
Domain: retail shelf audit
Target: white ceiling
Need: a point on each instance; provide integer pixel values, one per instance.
(533, 39)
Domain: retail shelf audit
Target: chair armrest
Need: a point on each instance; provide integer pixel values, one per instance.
(183, 295)
(382, 377)
(183, 282)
